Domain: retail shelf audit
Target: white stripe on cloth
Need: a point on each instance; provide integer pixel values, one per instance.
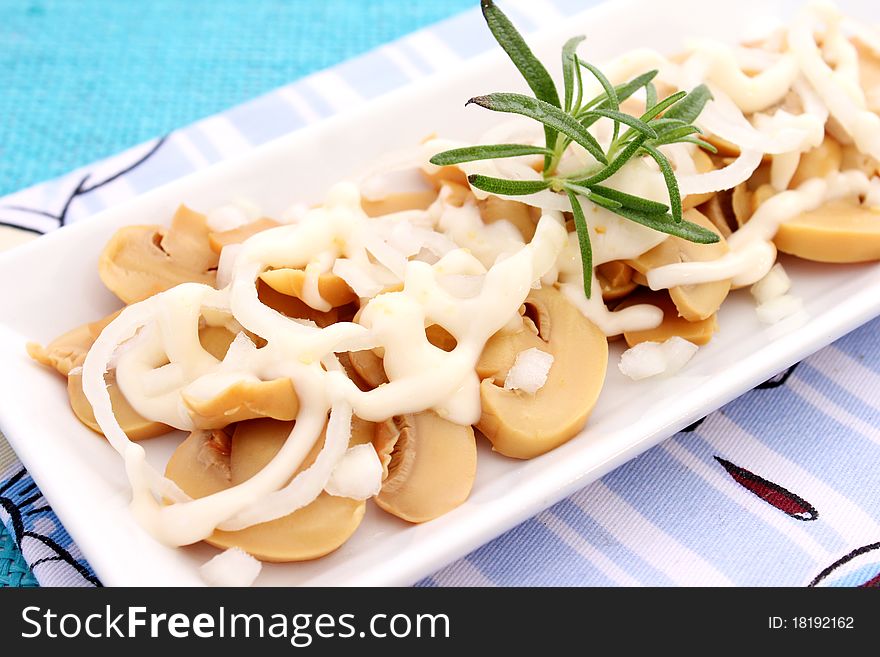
(568, 535)
(827, 406)
(642, 537)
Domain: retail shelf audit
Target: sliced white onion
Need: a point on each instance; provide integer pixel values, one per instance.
(233, 567)
(226, 264)
(727, 177)
(529, 371)
(357, 278)
(775, 284)
(308, 484)
(778, 308)
(649, 359)
(387, 256)
(358, 474)
(844, 100)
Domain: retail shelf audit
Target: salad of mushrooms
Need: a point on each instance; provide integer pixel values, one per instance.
(357, 350)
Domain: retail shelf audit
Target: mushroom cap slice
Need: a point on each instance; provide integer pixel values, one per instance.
(332, 289)
(296, 308)
(140, 261)
(202, 465)
(69, 350)
(615, 279)
(521, 425)
(244, 400)
(222, 238)
(369, 367)
(134, 425)
(703, 164)
(818, 162)
(522, 216)
(694, 302)
(399, 202)
(429, 465)
(699, 332)
(838, 231)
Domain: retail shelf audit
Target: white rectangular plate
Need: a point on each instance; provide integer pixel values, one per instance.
(51, 285)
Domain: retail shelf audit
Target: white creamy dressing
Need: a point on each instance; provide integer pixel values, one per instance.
(161, 334)
(466, 276)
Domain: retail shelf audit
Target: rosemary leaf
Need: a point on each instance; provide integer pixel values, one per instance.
(536, 76)
(583, 235)
(626, 119)
(665, 224)
(550, 115)
(629, 201)
(655, 108)
(650, 95)
(506, 187)
(486, 152)
(603, 201)
(689, 108)
(669, 178)
(569, 68)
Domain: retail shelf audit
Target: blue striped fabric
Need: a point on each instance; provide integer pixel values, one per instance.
(772, 489)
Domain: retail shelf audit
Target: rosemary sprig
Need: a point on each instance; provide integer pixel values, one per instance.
(567, 121)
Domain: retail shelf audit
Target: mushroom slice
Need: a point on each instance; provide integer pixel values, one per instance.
(216, 340)
(699, 332)
(295, 308)
(522, 425)
(694, 302)
(134, 425)
(818, 162)
(140, 261)
(719, 210)
(703, 164)
(198, 467)
(615, 279)
(332, 289)
(69, 350)
(523, 217)
(238, 235)
(244, 400)
(838, 231)
(399, 202)
(445, 175)
(429, 465)
(368, 367)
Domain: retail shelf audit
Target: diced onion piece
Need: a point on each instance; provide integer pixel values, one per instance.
(529, 371)
(775, 284)
(232, 215)
(358, 474)
(649, 359)
(233, 567)
(777, 309)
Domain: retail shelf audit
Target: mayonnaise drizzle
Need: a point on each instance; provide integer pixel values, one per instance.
(421, 376)
(752, 253)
